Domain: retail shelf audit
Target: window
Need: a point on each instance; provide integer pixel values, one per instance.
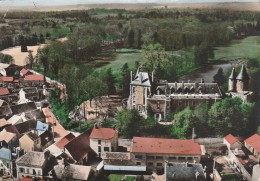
(99, 142)
(34, 172)
(138, 156)
(189, 158)
(106, 148)
(159, 157)
(21, 170)
(182, 158)
(172, 158)
(159, 164)
(39, 172)
(150, 163)
(7, 165)
(140, 108)
(27, 170)
(133, 89)
(99, 149)
(138, 163)
(150, 157)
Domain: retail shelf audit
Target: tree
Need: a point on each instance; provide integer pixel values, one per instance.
(230, 116)
(6, 58)
(109, 79)
(131, 38)
(129, 123)
(139, 39)
(220, 77)
(30, 59)
(41, 39)
(184, 122)
(125, 82)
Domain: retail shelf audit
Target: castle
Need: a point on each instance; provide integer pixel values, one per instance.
(164, 98)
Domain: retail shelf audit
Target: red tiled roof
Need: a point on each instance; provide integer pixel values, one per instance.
(29, 179)
(254, 141)
(34, 77)
(6, 79)
(24, 71)
(63, 141)
(165, 146)
(102, 133)
(231, 139)
(4, 91)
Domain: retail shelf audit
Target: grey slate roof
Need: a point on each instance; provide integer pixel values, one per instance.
(243, 75)
(184, 172)
(233, 74)
(5, 154)
(76, 172)
(141, 78)
(32, 159)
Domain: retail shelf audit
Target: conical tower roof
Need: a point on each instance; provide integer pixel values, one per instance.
(243, 75)
(233, 74)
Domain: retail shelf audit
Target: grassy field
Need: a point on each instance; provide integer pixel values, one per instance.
(246, 48)
(123, 56)
(116, 177)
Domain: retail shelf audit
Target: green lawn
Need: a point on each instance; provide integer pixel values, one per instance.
(123, 56)
(246, 48)
(117, 177)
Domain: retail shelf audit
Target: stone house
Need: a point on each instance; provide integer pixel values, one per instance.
(29, 142)
(32, 165)
(103, 140)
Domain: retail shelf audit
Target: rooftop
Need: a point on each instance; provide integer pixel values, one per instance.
(5, 154)
(34, 77)
(165, 146)
(102, 133)
(6, 136)
(32, 159)
(82, 142)
(3, 122)
(24, 71)
(21, 108)
(231, 139)
(254, 141)
(4, 91)
(63, 141)
(6, 79)
(76, 172)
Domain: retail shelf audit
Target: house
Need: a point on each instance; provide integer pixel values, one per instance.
(28, 94)
(24, 72)
(99, 107)
(103, 140)
(5, 110)
(3, 124)
(256, 172)
(73, 172)
(22, 108)
(4, 91)
(34, 80)
(232, 142)
(46, 139)
(30, 142)
(32, 165)
(164, 98)
(16, 119)
(6, 138)
(79, 149)
(253, 144)
(184, 172)
(121, 161)
(6, 81)
(155, 151)
(7, 161)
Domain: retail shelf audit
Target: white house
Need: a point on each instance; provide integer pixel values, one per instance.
(103, 140)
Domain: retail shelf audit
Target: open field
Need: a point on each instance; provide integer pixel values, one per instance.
(244, 6)
(246, 48)
(20, 57)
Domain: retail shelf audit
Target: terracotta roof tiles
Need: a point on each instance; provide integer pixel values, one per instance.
(254, 141)
(63, 141)
(4, 91)
(231, 139)
(6, 79)
(165, 146)
(102, 133)
(34, 77)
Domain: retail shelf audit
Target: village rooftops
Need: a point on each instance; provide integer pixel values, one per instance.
(21, 108)
(34, 77)
(63, 141)
(3, 123)
(4, 91)
(6, 136)
(231, 139)
(6, 79)
(79, 146)
(103, 133)
(165, 146)
(32, 159)
(254, 141)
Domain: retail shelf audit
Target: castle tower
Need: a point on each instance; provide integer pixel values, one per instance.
(232, 81)
(242, 80)
(140, 89)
